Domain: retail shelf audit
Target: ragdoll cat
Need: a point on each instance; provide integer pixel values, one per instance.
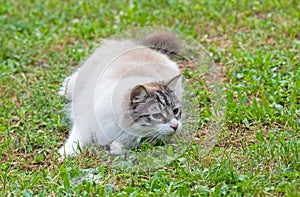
(125, 92)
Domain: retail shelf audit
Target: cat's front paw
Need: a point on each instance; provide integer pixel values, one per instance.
(65, 151)
(117, 148)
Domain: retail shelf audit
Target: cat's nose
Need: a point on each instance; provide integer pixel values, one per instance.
(174, 126)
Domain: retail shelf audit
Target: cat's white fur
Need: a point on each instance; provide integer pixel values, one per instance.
(99, 94)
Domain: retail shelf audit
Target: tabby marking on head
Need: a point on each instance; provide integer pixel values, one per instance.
(156, 105)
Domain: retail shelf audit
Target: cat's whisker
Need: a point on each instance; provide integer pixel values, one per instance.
(153, 139)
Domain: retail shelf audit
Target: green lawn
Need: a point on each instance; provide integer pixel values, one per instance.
(255, 45)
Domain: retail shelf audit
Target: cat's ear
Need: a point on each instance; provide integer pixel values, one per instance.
(172, 82)
(138, 94)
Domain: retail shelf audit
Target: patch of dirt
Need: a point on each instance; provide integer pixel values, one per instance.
(221, 41)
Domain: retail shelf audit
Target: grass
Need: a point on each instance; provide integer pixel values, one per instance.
(254, 43)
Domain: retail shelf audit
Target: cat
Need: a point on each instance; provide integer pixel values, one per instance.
(125, 92)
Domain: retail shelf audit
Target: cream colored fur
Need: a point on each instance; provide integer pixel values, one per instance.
(99, 94)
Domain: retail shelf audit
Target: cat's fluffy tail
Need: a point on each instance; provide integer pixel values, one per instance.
(164, 42)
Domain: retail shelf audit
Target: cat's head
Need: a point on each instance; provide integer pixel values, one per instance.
(155, 109)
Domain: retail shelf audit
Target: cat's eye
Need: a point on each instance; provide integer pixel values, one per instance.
(157, 116)
(176, 111)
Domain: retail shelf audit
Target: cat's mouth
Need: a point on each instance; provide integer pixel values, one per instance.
(168, 133)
